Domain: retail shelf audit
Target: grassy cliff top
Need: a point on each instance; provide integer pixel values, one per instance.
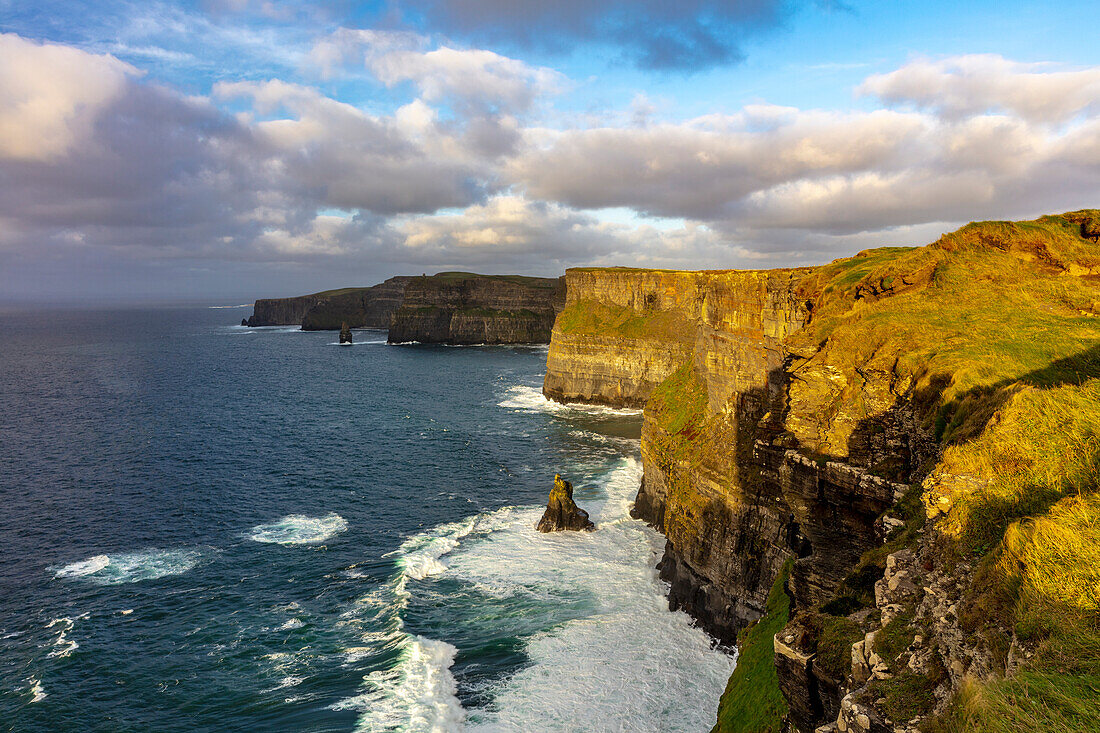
(454, 277)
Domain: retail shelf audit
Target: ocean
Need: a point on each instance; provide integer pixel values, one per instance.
(206, 527)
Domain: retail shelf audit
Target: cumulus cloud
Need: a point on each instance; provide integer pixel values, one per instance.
(475, 77)
(700, 168)
(349, 159)
(974, 84)
(98, 163)
(51, 96)
(513, 231)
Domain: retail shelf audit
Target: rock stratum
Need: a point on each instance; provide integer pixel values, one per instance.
(465, 308)
(368, 307)
(888, 463)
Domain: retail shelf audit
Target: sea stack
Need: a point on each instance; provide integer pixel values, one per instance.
(345, 333)
(561, 512)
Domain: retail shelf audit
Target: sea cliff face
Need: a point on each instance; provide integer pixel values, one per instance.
(358, 307)
(282, 311)
(465, 308)
(882, 426)
(370, 307)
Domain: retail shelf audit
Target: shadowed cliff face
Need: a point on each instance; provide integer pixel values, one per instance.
(371, 307)
(463, 308)
(360, 308)
(281, 311)
(792, 415)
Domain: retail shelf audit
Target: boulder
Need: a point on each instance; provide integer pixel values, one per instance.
(561, 512)
(345, 333)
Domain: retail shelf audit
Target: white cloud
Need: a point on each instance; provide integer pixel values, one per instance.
(94, 161)
(475, 77)
(969, 85)
(51, 96)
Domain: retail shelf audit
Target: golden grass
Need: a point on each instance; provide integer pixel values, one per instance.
(596, 318)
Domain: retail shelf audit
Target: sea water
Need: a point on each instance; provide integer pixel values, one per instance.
(209, 527)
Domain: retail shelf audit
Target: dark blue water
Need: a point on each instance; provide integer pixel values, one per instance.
(206, 527)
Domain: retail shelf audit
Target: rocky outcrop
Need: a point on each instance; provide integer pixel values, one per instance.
(345, 333)
(464, 308)
(369, 307)
(562, 513)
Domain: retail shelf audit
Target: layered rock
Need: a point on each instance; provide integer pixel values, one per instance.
(562, 513)
(368, 307)
(790, 415)
(282, 311)
(371, 307)
(465, 308)
(345, 333)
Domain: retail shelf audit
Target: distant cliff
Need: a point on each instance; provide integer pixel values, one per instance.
(369, 307)
(282, 311)
(358, 307)
(890, 459)
(465, 308)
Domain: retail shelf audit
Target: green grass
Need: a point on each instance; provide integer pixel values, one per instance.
(752, 702)
(455, 277)
(834, 645)
(894, 638)
(679, 403)
(341, 291)
(906, 696)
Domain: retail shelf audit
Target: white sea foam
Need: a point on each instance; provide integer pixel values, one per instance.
(655, 671)
(37, 691)
(63, 646)
(223, 307)
(84, 567)
(294, 623)
(418, 692)
(417, 695)
(372, 342)
(531, 399)
(298, 529)
(131, 567)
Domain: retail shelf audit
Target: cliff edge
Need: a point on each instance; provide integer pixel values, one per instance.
(466, 308)
(901, 445)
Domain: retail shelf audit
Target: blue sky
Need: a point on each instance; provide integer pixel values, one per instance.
(231, 149)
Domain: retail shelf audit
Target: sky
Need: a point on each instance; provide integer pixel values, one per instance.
(218, 151)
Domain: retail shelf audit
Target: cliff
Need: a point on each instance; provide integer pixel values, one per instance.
(465, 308)
(358, 307)
(370, 307)
(282, 311)
(912, 431)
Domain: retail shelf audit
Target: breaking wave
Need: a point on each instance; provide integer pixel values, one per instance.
(531, 399)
